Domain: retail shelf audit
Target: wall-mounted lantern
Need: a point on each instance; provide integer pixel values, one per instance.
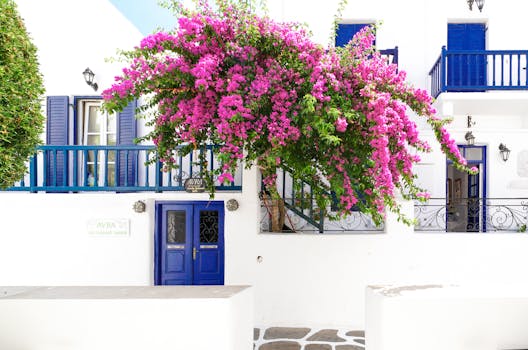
(504, 152)
(479, 3)
(89, 78)
(470, 139)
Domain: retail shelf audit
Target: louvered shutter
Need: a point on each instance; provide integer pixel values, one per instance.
(126, 134)
(467, 71)
(345, 32)
(57, 126)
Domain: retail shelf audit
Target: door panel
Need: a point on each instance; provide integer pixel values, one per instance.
(209, 223)
(176, 244)
(190, 243)
(466, 70)
(466, 201)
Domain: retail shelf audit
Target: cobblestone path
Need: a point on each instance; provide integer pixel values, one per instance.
(303, 338)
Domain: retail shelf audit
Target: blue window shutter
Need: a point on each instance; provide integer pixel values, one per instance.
(57, 126)
(345, 32)
(126, 134)
(456, 33)
(466, 70)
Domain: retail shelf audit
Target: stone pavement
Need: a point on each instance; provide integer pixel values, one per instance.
(303, 338)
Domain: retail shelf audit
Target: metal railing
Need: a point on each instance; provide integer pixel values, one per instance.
(304, 215)
(479, 70)
(112, 168)
(472, 215)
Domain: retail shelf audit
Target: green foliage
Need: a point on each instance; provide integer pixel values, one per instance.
(21, 88)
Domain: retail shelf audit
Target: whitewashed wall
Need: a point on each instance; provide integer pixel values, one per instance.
(45, 238)
(302, 279)
(135, 318)
(73, 35)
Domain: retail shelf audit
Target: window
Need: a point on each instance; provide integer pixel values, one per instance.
(98, 128)
(345, 32)
(90, 127)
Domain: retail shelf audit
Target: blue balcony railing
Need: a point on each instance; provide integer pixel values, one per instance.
(112, 168)
(479, 70)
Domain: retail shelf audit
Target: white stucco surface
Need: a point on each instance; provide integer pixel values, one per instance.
(167, 317)
(73, 35)
(299, 279)
(485, 316)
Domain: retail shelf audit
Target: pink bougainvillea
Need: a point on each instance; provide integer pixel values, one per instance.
(265, 92)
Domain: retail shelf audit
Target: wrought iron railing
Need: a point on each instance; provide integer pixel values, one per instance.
(112, 168)
(472, 215)
(303, 214)
(479, 70)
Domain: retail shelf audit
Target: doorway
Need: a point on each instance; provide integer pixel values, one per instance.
(189, 243)
(466, 193)
(465, 70)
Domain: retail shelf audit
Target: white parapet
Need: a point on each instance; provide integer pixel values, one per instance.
(132, 318)
(439, 317)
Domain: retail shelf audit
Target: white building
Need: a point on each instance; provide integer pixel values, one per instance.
(67, 224)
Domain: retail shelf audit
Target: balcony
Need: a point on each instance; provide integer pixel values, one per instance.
(113, 169)
(479, 70)
(472, 215)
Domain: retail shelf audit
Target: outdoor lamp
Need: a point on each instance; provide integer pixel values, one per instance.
(89, 77)
(504, 152)
(480, 4)
(470, 138)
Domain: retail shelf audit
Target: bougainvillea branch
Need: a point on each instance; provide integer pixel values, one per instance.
(267, 94)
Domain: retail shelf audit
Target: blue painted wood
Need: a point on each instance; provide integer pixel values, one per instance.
(81, 183)
(209, 263)
(175, 263)
(126, 135)
(507, 68)
(345, 32)
(57, 126)
(468, 69)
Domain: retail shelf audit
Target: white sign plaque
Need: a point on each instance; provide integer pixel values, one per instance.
(118, 227)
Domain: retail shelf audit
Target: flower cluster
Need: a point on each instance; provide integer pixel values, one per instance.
(265, 92)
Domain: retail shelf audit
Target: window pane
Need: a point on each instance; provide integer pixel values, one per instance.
(208, 226)
(93, 140)
(111, 123)
(176, 226)
(91, 156)
(111, 175)
(94, 119)
(474, 153)
(111, 156)
(111, 139)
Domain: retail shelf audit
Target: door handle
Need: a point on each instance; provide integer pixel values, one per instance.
(194, 253)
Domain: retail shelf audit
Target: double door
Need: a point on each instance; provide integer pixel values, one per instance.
(189, 243)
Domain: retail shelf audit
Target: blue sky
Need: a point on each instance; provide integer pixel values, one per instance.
(146, 15)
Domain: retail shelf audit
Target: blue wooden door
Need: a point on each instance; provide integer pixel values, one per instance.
(466, 71)
(190, 243)
(208, 244)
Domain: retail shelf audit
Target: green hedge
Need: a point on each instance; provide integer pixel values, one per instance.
(21, 90)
